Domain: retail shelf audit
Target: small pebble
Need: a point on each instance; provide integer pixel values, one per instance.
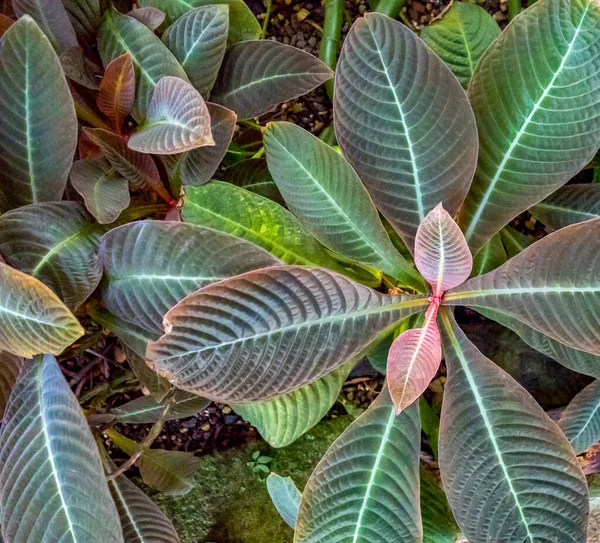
(226, 410)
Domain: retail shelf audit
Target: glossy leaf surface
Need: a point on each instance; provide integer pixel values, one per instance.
(366, 487)
(253, 174)
(493, 437)
(553, 286)
(198, 40)
(258, 75)
(580, 421)
(461, 37)
(152, 265)
(536, 99)
(117, 90)
(46, 442)
(177, 120)
(404, 123)
(105, 192)
(266, 333)
(32, 318)
(285, 496)
(569, 205)
(35, 102)
(325, 193)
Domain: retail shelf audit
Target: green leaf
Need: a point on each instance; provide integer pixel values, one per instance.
(580, 421)
(152, 60)
(492, 255)
(366, 487)
(104, 191)
(85, 15)
(10, 366)
(253, 175)
(508, 471)
(536, 100)
(55, 242)
(404, 122)
(461, 37)
(257, 76)
(198, 40)
(53, 486)
(285, 496)
(32, 318)
(146, 409)
(243, 25)
(324, 192)
(171, 472)
(151, 265)
(438, 522)
(197, 166)
(283, 420)
(249, 216)
(306, 322)
(569, 205)
(39, 126)
(515, 241)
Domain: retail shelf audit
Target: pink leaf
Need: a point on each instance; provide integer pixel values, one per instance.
(441, 252)
(413, 361)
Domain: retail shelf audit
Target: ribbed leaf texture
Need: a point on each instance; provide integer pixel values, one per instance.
(105, 192)
(553, 286)
(285, 496)
(35, 103)
(243, 25)
(404, 122)
(266, 333)
(55, 242)
(536, 98)
(32, 318)
(461, 37)
(146, 409)
(258, 75)
(117, 90)
(283, 420)
(253, 174)
(366, 487)
(151, 17)
(152, 60)
(580, 421)
(152, 265)
(492, 255)
(53, 485)
(198, 40)
(439, 525)
(10, 366)
(569, 205)
(325, 193)
(508, 471)
(85, 15)
(177, 120)
(441, 252)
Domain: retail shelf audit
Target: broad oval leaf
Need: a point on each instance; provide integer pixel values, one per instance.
(553, 286)
(55, 242)
(117, 90)
(461, 37)
(53, 485)
(266, 333)
(258, 75)
(536, 98)
(177, 120)
(151, 17)
(198, 40)
(285, 497)
(508, 471)
(283, 420)
(404, 122)
(439, 525)
(243, 25)
(413, 361)
(85, 15)
(569, 205)
(197, 166)
(35, 106)
(105, 192)
(10, 367)
(366, 487)
(146, 409)
(151, 59)
(152, 265)
(33, 320)
(326, 194)
(253, 175)
(441, 252)
(580, 421)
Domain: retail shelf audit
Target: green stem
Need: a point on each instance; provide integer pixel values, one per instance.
(514, 8)
(391, 8)
(332, 37)
(267, 18)
(596, 178)
(251, 124)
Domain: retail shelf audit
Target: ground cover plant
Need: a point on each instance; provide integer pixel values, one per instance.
(264, 289)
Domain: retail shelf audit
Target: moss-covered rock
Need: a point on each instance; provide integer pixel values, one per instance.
(230, 503)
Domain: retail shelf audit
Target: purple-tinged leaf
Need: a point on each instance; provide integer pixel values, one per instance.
(151, 17)
(569, 205)
(117, 90)
(5, 24)
(77, 67)
(10, 366)
(85, 15)
(580, 421)
(441, 252)
(177, 120)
